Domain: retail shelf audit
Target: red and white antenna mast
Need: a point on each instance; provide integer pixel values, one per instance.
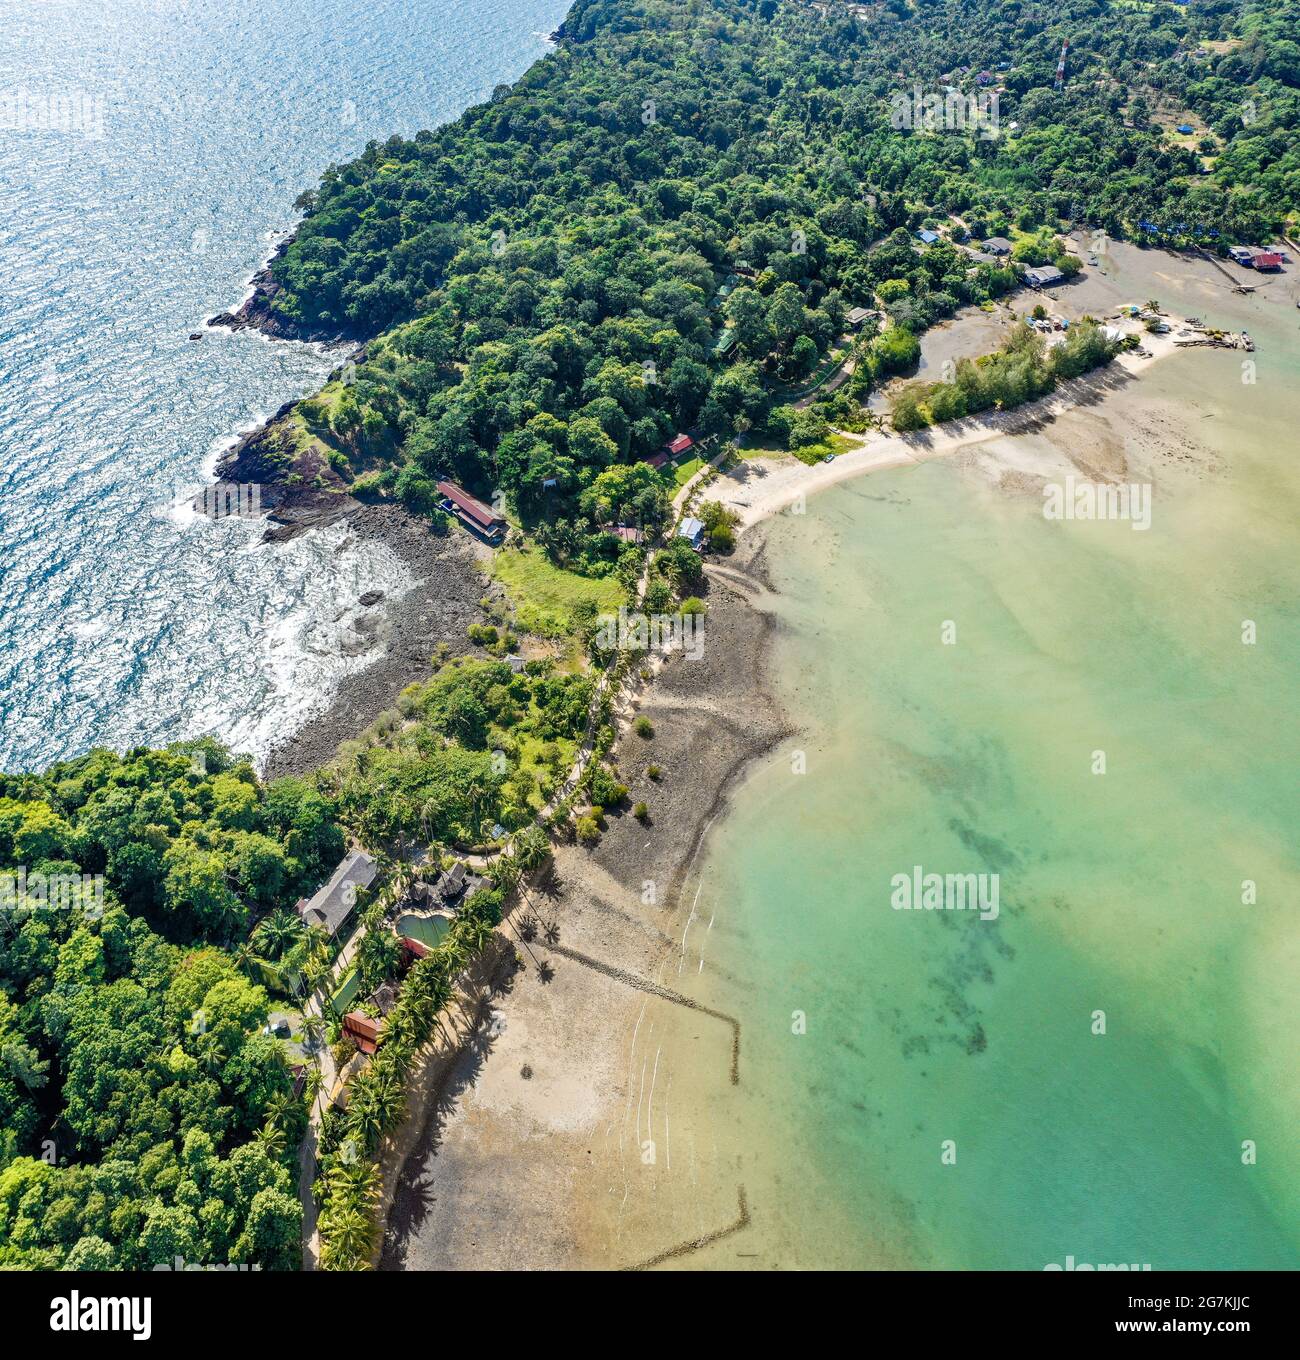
(1060, 65)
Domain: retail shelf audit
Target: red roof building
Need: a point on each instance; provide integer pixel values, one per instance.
(363, 1030)
(657, 459)
(679, 444)
(412, 952)
(1267, 259)
(472, 513)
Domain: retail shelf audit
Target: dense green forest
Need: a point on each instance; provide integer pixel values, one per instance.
(544, 280)
(144, 1115)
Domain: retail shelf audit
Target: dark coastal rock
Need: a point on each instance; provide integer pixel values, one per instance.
(437, 610)
(257, 312)
(370, 597)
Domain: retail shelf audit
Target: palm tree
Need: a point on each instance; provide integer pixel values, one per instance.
(347, 1240)
(478, 933)
(378, 955)
(532, 847)
(365, 1115)
(507, 871)
(278, 932)
(271, 1140)
(279, 1109)
(356, 1181)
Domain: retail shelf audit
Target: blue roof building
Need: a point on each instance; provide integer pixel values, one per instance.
(692, 530)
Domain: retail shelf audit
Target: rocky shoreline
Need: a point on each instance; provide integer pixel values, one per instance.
(437, 610)
(257, 313)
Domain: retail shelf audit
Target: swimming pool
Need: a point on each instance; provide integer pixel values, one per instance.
(427, 929)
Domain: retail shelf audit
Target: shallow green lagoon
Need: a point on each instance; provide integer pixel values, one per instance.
(1119, 892)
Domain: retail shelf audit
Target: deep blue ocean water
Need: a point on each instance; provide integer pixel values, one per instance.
(150, 153)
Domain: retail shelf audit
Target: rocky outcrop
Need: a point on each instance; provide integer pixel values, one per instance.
(257, 312)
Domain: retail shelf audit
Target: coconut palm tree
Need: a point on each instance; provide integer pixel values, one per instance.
(278, 932)
(477, 933)
(507, 871)
(242, 956)
(271, 1140)
(378, 955)
(280, 1109)
(358, 1181)
(347, 1239)
(532, 847)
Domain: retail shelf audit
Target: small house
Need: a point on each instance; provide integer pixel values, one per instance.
(679, 444)
(1185, 128)
(1044, 276)
(1243, 255)
(480, 519)
(1267, 259)
(692, 530)
(454, 881)
(724, 343)
(859, 316)
(927, 237)
(332, 904)
(997, 245)
(363, 1031)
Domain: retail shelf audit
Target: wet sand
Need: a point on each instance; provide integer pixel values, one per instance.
(522, 1167)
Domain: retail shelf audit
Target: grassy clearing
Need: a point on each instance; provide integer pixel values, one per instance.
(834, 446)
(683, 472)
(545, 596)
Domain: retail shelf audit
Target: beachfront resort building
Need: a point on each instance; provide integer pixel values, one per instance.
(331, 906)
(363, 1031)
(478, 518)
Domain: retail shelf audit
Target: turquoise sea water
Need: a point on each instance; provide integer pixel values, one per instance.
(182, 135)
(875, 1039)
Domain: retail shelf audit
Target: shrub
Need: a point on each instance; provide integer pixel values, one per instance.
(653, 772)
(641, 813)
(643, 727)
(605, 789)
